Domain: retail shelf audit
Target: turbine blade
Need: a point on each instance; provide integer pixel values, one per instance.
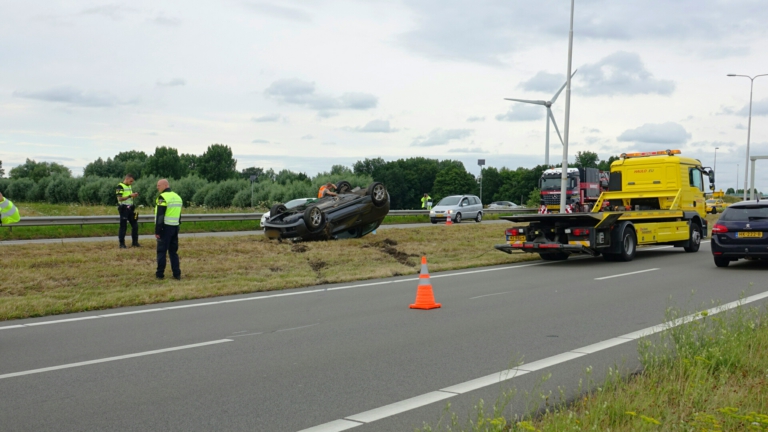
(554, 98)
(528, 101)
(554, 123)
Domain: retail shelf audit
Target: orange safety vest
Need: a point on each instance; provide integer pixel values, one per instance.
(320, 193)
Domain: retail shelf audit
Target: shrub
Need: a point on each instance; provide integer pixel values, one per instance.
(98, 190)
(243, 198)
(63, 190)
(146, 187)
(188, 187)
(224, 193)
(37, 193)
(199, 197)
(4, 184)
(107, 190)
(20, 190)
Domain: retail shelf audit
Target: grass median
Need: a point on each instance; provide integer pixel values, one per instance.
(73, 277)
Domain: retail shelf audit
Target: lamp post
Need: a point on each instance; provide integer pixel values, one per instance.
(749, 126)
(253, 179)
(566, 128)
(715, 165)
(480, 163)
(737, 178)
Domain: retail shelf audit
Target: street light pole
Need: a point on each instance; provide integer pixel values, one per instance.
(749, 126)
(566, 128)
(715, 166)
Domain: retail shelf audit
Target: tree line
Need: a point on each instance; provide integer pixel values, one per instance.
(212, 180)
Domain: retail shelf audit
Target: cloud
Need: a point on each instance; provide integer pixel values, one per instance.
(326, 114)
(268, 118)
(722, 52)
(475, 119)
(72, 96)
(260, 141)
(467, 150)
(282, 12)
(544, 82)
(522, 112)
(740, 126)
(298, 92)
(307, 137)
(441, 136)
(589, 130)
(374, 126)
(621, 73)
(176, 82)
(113, 11)
(163, 20)
(664, 133)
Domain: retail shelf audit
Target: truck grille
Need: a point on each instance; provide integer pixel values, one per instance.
(552, 199)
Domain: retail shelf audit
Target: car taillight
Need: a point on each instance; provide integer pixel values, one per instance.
(515, 231)
(581, 231)
(719, 229)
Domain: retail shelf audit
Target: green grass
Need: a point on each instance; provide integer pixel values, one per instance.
(707, 375)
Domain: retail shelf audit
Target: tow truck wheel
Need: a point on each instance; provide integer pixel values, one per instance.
(554, 256)
(695, 237)
(628, 245)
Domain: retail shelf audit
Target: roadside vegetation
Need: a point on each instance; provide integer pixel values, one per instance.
(75, 277)
(707, 375)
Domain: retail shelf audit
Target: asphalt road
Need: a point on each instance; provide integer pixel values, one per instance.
(352, 355)
(151, 238)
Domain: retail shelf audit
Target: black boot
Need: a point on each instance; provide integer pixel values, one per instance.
(135, 244)
(122, 246)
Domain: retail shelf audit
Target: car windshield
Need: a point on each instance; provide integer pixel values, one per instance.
(745, 213)
(449, 201)
(295, 203)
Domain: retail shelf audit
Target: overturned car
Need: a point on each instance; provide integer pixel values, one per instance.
(353, 213)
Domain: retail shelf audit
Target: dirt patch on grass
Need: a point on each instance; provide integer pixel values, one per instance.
(387, 246)
(317, 265)
(299, 248)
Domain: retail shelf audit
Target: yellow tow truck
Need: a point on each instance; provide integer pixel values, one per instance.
(715, 204)
(654, 198)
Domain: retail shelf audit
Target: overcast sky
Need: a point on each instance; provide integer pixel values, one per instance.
(305, 84)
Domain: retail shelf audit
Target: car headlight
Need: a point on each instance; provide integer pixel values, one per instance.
(450, 212)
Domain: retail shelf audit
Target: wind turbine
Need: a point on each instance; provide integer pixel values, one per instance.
(548, 105)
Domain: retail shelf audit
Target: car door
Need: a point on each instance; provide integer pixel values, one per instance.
(465, 209)
(478, 207)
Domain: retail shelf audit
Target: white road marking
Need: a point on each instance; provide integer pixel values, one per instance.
(110, 359)
(334, 426)
(296, 328)
(247, 334)
(488, 295)
(626, 274)
(496, 378)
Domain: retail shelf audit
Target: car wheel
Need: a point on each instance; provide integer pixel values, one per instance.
(433, 220)
(378, 193)
(457, 219)
(722, 262)
(554, 256)
(479, 217)
(695, 237)
(628, 245)
(314, 218)
(343, 187)
(277, 209)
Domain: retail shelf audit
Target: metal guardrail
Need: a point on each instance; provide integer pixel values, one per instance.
(218, 217)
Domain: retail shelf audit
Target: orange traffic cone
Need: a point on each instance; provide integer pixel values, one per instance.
(448, 221)
(425, 298)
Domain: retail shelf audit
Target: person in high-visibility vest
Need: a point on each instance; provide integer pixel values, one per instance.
(325, 190)
(167, 220)
(543, 207)
(9, 213)
(426, 202)
(127, 211)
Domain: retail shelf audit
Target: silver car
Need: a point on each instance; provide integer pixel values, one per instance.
(289, 205)
(504, 205)
(458, 208)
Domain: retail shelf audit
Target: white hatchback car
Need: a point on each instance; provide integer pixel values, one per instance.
(290, 204)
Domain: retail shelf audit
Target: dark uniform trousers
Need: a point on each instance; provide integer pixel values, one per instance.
(128, 215)
(168, 243)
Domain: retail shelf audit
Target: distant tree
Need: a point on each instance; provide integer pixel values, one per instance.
(248, 172)
(217, 164)
(131, 155)
(454, 180)
(368, 166)
(189, 162)
(2, 171)
(340, 170)
(606, 164)
(492, 182)
(164, 163)
(730, 191)
(587, 159)
(39, 170)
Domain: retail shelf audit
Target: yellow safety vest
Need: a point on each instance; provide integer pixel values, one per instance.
(126, 192)
(173, 203)
(9, 213)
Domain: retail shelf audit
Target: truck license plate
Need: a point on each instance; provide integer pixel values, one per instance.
(519, 238)
(754, 234)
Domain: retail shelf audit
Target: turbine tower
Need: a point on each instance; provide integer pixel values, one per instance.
(548, 105)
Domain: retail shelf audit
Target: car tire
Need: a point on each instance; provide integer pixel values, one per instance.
(695, 238)
(314, 219)
(628, 245)
(378, 193)
(433, 220)
(457, 219)
(479, 217)
(722, 262)
(554, 256)
(343, 187)
(277, 209)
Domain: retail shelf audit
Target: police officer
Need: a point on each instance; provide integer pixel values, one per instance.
(9, 213)
(127, 210)
(167, 219)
